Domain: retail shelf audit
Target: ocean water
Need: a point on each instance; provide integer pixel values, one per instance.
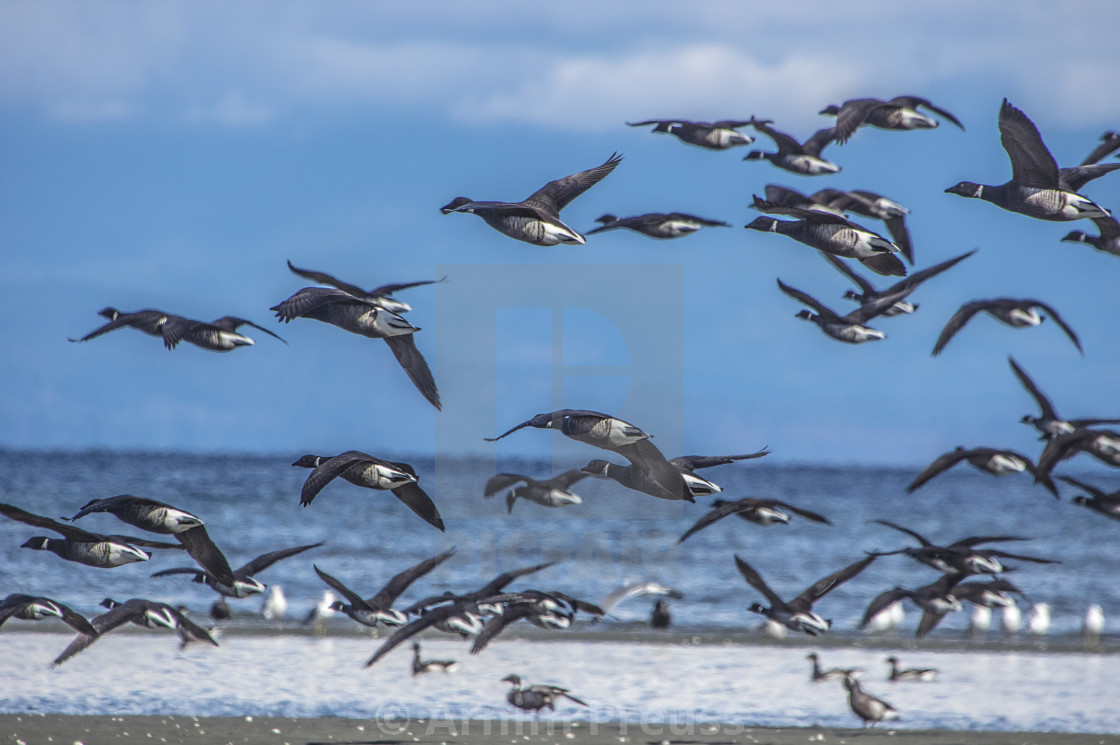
(714, 664)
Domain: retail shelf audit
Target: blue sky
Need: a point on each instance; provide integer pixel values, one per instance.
(174, 155)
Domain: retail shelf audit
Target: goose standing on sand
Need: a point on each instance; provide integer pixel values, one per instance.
(651, 472)
(378, 610)
(796, 157)
(244, 581)
(33, 608)
(367, 471)
(831, 234)
(991, 460)
(217, 336)
(157, 517)
(141, 613)
(870, 204)
(536, 220)
(365, 314)
(797, 614)
(850, 329)
(658, 224)
(865, 706)
(898, 292)
(917, 674)
(820, 675)
(720, 135)
(536, 697)
(899, 113)
(1038, 188)
(1097, 499)
(422, 666)
(1048, 422)
(83, 547)
(1015, 312)
(757, 511)
(149, 321)
(553, 492)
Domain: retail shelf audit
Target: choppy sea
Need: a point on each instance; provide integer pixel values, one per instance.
(714, 664)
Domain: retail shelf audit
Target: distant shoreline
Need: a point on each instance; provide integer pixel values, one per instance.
(31, 729)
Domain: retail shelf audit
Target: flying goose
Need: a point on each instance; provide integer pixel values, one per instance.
(381, 296)
(536, 697)
(491, 588)
(149, 321)
(546, 609)
(1108, 241)
(1106, 504)
(422, 666)
(784, 196)
(658, 224)
(157, 517)
(1015, 312)
(960, 556)
(367, 471)
(992, 460)
(639, 479)
(553, 492)
(899, 113)
(719, 135)
(898, 292)
(922, 674)
(1038, 188)
(1110, 142)
(1102, 444)
(33, 608)
(796, 157)
(850, 329)
(758, 511)
(1048, 422)
(536, 220)
(217, 336)
(865, 706)
(988, 595)
(378, 610)
(651, 472)
(935, 599)
(870, 204)
(820, 675)
(364, 314)
(797, 614)
(83, 547)
(831, 234)
(141, 613)
(245, 583)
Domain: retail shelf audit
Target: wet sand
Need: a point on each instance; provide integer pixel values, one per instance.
(34, 729)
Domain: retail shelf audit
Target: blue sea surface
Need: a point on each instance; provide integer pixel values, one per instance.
(251, 506)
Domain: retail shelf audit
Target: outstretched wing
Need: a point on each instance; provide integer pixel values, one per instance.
(754, 579)
(1031, 163)
(398, 584)
(264, 561)
(417, 500)
(409, 357)
(957, 322)
(556, 195)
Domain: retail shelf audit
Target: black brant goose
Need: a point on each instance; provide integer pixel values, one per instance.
(1015, 312)
(1110, 142)
(381, 296)
(367, 471)
(149, 321)
(1102, 444)
(994, 461)
(758, 511)
(1099, 500)
(1048, 422)
(898, 292)
(1108, 241)
(141, 613)
(83, 547)
(157, 517)
(1038, 188)
(536, 220)
(899, 113)
(217, 336)
(658, 224)
(536, 697)
(422, 666)
(865, 706)
(797, 614)
(831, 234)
(34, 608)
(640, 480)
(820, 675)
(719, 135)
(244, 581)
(547, 609)
(378, 610)
(553, 492)
(935, 600)
(959, 556)
(804, 158)
(850, 329)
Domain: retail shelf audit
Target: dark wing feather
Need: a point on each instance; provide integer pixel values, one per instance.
(202, 549)
(842, 266)
(929, 622)
(916, 536)
(957, 322)
(352, 597)
(880, 602)
(1109, 141)
(754, 579)
(1077, 176)
(944, 462)
(501, 481)
(645, 456)
(417, 500)
(785, 143)
(852, 114)
(556, 195)
(412, 628)
(913, 102)
(809, 300)
(389, 289)
(823, 586)
(497, 624)
(819, 141)
(803, 512)
(567, 478)
(1058, 320)
(327, 279)
(310, 299)
(404, 349)
(176, 328)
(330, 469)
(232, 323)
(695, 462)
(714, 516)
(1044, 404)
(264, 561)
(398, 584)
(500, 582)
(1031, 163)
(1093, 491)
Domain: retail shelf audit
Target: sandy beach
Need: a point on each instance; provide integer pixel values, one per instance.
(33, 729)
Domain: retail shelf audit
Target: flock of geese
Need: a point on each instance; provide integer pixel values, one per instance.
(1038, 188)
